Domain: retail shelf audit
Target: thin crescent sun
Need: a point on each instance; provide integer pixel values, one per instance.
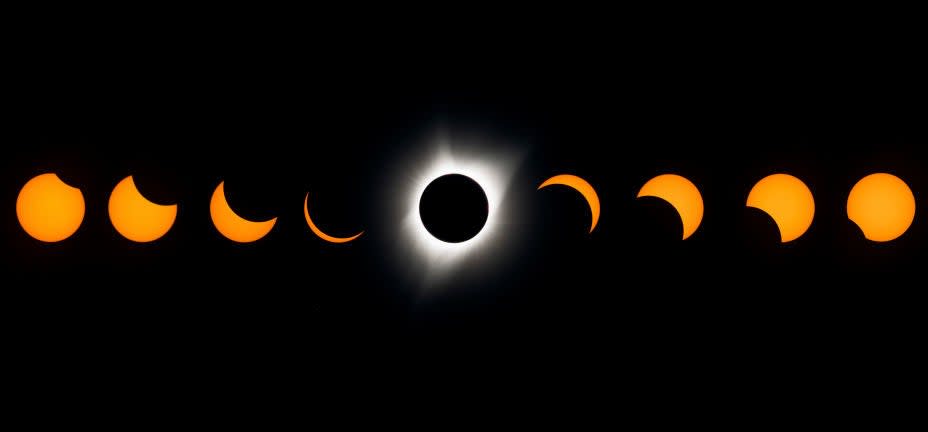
(318, 232)
(233, 226)
(582, 186)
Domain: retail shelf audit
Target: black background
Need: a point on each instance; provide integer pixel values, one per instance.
(284, 114)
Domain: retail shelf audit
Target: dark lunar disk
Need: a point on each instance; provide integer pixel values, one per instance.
(453, 208)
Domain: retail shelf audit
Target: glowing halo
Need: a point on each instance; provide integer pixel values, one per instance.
(492, 169)
(493, 184)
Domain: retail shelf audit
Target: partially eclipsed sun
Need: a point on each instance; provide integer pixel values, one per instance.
(137, 218)
(582, 186)
(788, 201)
(682, 194)
(318, 232)
(882, 205)
(48, 209)
(233, 226)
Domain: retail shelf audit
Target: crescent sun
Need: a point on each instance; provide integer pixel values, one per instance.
(788, 201)
(233, 226)
(682, 194)
(582, 186)
(137, 218)
(318, 232)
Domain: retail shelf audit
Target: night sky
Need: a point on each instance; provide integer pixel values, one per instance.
(353, 126)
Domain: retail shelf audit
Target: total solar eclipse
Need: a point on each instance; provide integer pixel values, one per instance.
(453, 208)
